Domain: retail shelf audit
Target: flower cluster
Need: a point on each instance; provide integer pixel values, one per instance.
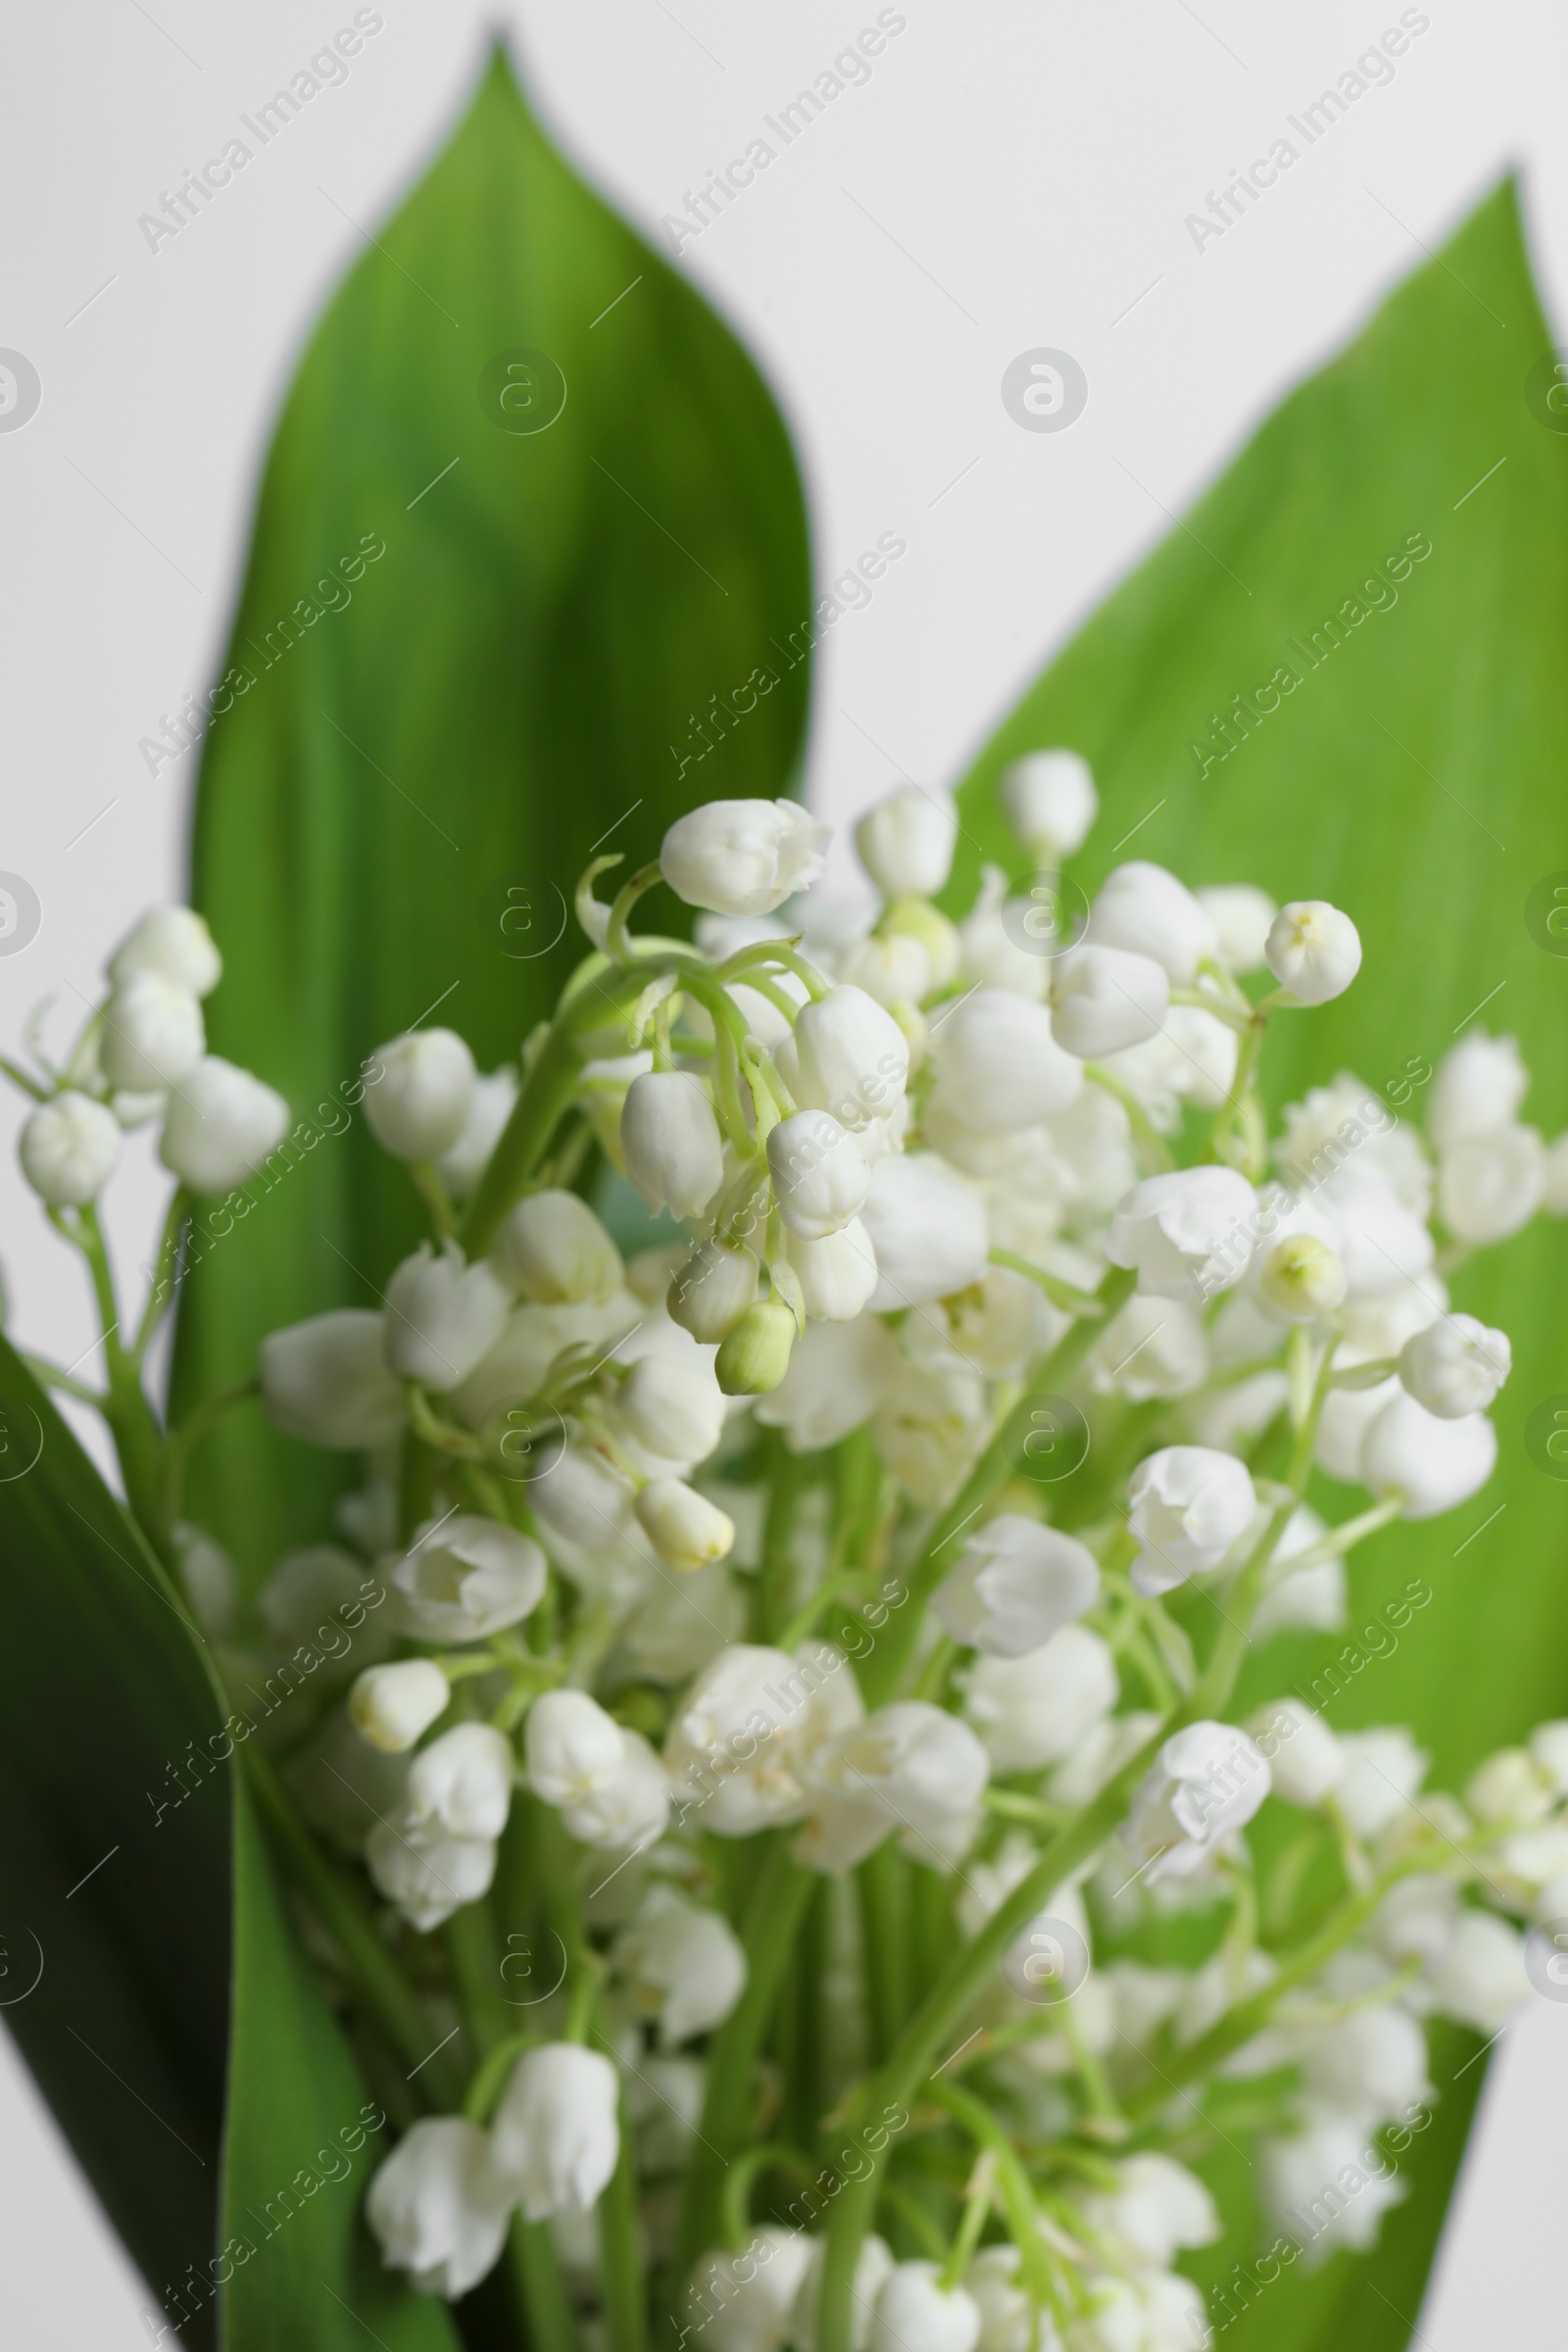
(811, 1635)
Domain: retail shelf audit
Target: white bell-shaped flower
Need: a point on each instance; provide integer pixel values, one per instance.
(1480, 1085)
(554, 1250)
(418, 1091)
(464, 1578)
(426, 1872)
(1189, 1504)
(743, 856)
(910, 1766)
(892, 966)
(579, 1495)
(462, 1783)
(820, 1177)
(1303, 1755)
(997, 1063)
(685, 1967)
(917, 2313)
(686, 1530)
(747, 1732)
(1187, 1233)
(442, 1315)
(152, 1036)
(1207, 1782)
(1313, 949)
(1145, 910)
(671, 1141)
(463, 1163)
(1006, 943)
(838, 1375)
(1382, 1776)
(906, 842)
(1051, 802)
(1243, 916)
(848, 1055)
(1373, 2065)
(68, 1149)
(927, 1230)
(872, 2266)
(741, 2301)
(174, 943)
(1104, 999)
(1016, 1582)
(1034, 1710)
(438, 2206)
(556, 2130)
(1489, 1185)
(1156, 2211)
(1326, 2185)
(1431, 1465)
(671, 1408)
(609, 1784)
(712, 1290)
(838, 1275)
(220, 1124)
(327, 1380)
(392, 1705)
(1456, 1366)
(1479, 1979)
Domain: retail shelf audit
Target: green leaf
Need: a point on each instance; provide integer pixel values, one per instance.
(1413, 775)
(524, 672)
(114, 1846)
(304, 2139)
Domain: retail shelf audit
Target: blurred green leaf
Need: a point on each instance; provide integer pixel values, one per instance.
(1414, 776)
(529, 668)
(114, 1846)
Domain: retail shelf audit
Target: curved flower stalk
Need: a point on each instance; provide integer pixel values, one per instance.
(794, 1666)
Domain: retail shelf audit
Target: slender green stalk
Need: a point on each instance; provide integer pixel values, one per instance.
(182, 1442)
(882, 1879)
(885, 1667)
(773, 2156)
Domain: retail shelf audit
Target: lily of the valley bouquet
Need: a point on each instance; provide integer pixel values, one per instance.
(788, 1683)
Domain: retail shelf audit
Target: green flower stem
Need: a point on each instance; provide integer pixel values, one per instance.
(786, 1479)
(1012, 2188)
(776, 1907)
(50, 1376)
(417, 1465)
(920, 2223)
(976, 2205)
(181, 1443)
(161, 1294)
(882, 1879)
(1153, 1150)
(430, 1186)
(885, 1667)
(385, 1991)
(773, 2156)
(132, 1423)
(1065, 1295)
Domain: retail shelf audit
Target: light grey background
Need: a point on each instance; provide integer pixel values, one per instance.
(1013, 174)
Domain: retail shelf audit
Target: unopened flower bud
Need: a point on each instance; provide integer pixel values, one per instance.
(554, 1251)
(390, 1707)
(1313, 949)
(326, 1380)
(1145, 910)
(1104, 999)
(494, 1095)
(820, 1178)
(68, 1149)
(152, 1034)
(1303, 1277)
(906, 842)
(1456, 1366)
(220, 1126)
(711, 1292)
(671, 1141)
(1243, 916)
(756, 1355)
(1051, 802)
(743, 856)
(1431, 1465)
(687, 1530)
(442, 1315)
(173, 942)
(418, 1104)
